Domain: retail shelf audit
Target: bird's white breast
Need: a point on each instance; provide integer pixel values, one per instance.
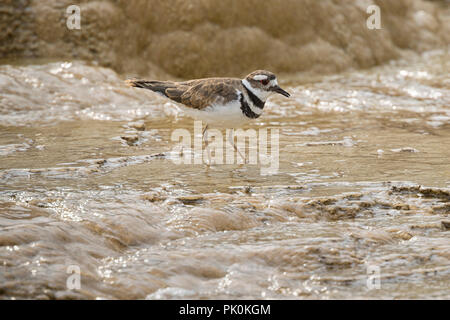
(227, 115)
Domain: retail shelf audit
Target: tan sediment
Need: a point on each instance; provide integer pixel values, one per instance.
(210, 37)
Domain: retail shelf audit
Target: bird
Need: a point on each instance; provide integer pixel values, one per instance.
(219, 102)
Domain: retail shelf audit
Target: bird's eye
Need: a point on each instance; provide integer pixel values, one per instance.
(265, 81)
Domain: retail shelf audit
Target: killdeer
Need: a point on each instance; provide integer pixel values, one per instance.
(219, 102)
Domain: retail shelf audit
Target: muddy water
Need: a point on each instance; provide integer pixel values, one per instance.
(86, 179)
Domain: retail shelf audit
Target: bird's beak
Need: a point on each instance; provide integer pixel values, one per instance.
(278, 89)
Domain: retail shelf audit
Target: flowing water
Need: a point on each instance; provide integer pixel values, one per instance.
(358, 208)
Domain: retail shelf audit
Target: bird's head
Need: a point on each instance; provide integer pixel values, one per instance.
(263, 83)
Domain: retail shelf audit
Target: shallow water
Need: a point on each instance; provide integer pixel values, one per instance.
(363, 183)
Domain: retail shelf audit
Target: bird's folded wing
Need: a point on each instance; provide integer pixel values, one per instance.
(201, 94)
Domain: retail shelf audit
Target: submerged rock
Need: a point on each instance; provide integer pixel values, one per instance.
(138, 125)
(130, 139)
(445, 225)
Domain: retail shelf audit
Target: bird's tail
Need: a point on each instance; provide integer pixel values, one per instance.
(156, 86)
(167, 89)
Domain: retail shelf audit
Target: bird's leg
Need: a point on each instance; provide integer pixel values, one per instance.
(231, 141)
(205, 135)
(205, 138)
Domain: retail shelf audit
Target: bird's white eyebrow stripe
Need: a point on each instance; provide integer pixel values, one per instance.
(259, 77)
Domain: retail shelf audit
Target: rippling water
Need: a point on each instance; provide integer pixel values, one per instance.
(86, 179)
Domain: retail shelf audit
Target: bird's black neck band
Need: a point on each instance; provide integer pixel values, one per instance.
(246, 110)
(256, 101)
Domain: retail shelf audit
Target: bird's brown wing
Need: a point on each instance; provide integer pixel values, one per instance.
(197, 94)
(206, 92)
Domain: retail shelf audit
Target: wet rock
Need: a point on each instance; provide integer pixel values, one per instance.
(248, 189)
(100, 162)
(401, 206)
(192, 199)
(346, 142)
(401, 234)
(426, 226)
(405, 149)
(39, 203)
(445, 225)
(337, 208)
(426, 192)
(138, 125)
(441, 209)
(435, 193)
(130, 139)
(153, 197)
